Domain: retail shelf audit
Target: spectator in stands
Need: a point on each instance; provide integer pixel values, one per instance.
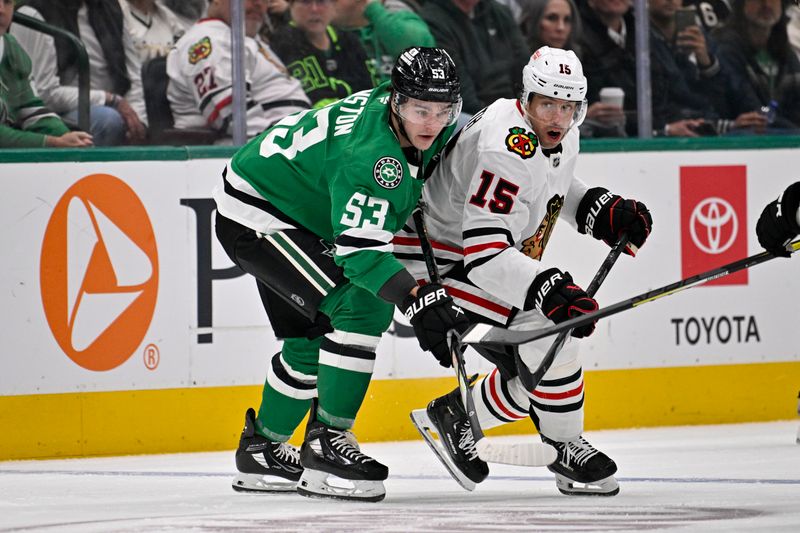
(609, 57)
(118, 110)
(609, 60)
(187, 11)
(278, 16)
(383, 33)
(154, 28)
(693, 75)
(24, 121)
(331, 65)
(486, 45)
(553, 23)
(200, 75)
(765, 72)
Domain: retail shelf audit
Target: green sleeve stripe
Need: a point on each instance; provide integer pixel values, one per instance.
(302, 262)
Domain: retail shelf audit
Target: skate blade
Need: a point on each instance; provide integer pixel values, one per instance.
(604, 488)
(318, 484)
(423, 423)
(520, 454)
(260, 483)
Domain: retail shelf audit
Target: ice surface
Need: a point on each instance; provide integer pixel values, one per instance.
(702, 478)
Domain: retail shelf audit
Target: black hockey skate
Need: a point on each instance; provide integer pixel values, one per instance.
(455, 447)
(582, 470)
(265, 465)
(336, 468)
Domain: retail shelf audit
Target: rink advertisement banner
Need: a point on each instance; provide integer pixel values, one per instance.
(713, 220)
(113, 279)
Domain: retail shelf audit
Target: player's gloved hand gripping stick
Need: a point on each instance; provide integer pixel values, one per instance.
(523, 454)
(531, 380)
(486, 335)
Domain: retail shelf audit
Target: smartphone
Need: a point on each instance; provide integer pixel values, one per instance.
(684, 17)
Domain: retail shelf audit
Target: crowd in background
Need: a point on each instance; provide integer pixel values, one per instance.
(161, 70)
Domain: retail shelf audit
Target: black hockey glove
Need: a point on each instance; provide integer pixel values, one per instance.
(555, 294)
(433, 313)
(606, 216)
(777, 224)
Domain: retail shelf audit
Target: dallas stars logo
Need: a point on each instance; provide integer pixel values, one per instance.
(388, 172)
(521, 142)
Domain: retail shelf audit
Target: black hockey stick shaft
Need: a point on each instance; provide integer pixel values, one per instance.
(531, 380)
(483, 335)
(456, 350)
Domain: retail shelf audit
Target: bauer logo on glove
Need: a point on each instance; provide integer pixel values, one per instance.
(606, 217)
(433, 313)
(417, 305)
(558, 298)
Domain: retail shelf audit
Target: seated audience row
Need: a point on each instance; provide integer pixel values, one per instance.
(717, 66)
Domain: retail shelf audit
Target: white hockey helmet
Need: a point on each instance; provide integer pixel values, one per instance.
(555, 73)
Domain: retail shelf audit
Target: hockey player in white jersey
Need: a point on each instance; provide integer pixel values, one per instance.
(492, 203)
(200, 74)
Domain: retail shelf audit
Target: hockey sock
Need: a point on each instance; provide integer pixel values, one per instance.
(498, 401)
(346, 361)
(557, 402)
(291, 384)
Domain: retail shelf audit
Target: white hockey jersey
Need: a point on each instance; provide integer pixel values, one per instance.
(200, 89)
(491, 205)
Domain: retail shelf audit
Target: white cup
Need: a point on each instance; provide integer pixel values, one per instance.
(612, 95)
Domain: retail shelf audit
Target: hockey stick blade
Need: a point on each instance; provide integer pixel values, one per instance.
(520, 454)
(486, 335)
(531, 380)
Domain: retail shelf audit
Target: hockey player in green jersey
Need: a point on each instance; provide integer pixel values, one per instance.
(309, 208)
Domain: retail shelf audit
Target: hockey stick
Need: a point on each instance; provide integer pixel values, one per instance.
(531, 380)
(486, 335)
(522, 454)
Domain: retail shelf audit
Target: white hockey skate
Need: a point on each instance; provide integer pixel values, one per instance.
(582, 470)
(264, 465)
(334, 467)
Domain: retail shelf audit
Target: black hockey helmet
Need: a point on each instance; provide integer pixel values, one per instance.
(426, 74)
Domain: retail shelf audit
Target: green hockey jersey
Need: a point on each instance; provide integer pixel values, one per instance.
(24, 121)
(338, 172)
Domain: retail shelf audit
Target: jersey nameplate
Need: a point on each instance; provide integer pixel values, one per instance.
(388, 172)
(521, 142)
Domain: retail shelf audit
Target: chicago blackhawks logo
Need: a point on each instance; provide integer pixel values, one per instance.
(388, 172)
(534, 246)
(521, 142)
(200, 50)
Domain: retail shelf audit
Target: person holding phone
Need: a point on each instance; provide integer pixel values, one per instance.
(694, 78)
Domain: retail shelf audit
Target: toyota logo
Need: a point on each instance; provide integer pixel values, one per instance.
(713, 225)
